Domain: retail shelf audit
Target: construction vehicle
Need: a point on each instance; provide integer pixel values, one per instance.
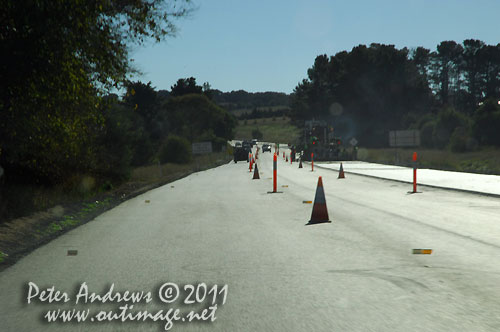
(318, 137)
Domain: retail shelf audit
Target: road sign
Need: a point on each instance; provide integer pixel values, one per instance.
(201, 147)
(353, 141)
(404, 138)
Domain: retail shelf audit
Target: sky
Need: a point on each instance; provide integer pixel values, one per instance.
(259, 45)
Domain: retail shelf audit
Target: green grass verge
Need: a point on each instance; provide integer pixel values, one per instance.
(278, 130)
(241, 111)
(484, 161)
(69, 221)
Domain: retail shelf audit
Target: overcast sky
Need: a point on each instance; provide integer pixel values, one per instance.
(261, 45)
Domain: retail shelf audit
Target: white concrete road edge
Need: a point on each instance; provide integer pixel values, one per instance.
(468, 182)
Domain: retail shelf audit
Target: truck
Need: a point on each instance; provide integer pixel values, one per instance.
(318, 137)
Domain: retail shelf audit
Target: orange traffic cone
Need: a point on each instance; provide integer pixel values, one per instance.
(319, 212)
(341, 172)
(250, 166)
(256, 173)
(300, 164)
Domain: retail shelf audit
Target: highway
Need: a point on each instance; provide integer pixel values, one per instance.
(221, 227)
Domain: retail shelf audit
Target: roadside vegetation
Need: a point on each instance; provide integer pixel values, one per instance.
(64, 136)
(451, 94)
(275, 129)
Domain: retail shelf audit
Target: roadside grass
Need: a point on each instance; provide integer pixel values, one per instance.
(71, 220)
(146, 175)
(165, 172)
(278, 129)
(241, 111)
(483, 161)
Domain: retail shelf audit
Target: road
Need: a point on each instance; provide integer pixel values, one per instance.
(221, 227)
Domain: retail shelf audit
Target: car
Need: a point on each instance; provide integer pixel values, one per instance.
(241, 153)
(266, 147)
(237, 144)
(254, 142)
(247, 144)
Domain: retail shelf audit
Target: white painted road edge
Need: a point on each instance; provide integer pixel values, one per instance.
(476, 183)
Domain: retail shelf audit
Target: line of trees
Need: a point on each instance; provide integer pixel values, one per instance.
(242, 99)
(264, 113)
(450, 94)
(140, 126)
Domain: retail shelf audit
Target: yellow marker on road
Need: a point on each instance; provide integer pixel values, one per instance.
(422, 251)
(307, 202)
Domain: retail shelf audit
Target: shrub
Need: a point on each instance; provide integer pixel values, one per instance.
(176, 150)
(487, 123)
(256, 133)
(458, 140)
(426, 134)
(447, 120)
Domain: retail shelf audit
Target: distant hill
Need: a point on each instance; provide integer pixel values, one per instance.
(242, 100)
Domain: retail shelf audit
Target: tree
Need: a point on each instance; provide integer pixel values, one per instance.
(58, 57)
(447, 121)
(473, 69)
(487, 122)
(421, 57)
(141, 98)
(365, 92)
(185, 86)
(256, 133)
(490, 57)
(196, 117)
(446, 69)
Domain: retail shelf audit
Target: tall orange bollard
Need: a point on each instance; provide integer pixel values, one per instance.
(312, 162)
(414, 172)
(275, 175)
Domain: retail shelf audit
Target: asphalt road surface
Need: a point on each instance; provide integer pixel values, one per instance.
(220, 227)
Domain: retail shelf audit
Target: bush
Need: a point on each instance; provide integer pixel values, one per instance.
(487, 123)
(176, 150)
(426, 134)
(458, 140)
(115, 144)
(447, 120)
(256, 133)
